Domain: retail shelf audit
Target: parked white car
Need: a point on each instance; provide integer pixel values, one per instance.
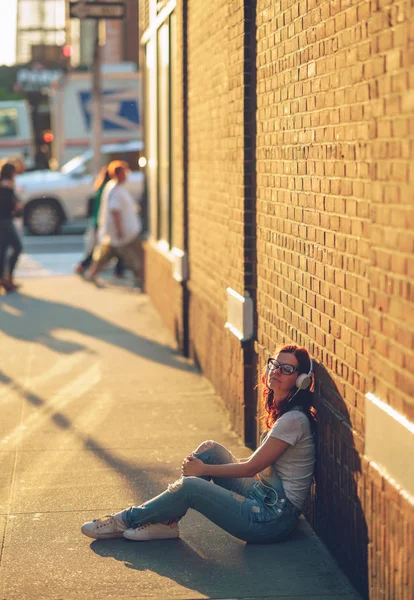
(52, 198)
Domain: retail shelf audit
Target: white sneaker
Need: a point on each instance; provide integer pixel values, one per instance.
(153, 531)
(108, 526)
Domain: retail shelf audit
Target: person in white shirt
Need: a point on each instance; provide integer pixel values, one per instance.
(119, 225)
(258, 499)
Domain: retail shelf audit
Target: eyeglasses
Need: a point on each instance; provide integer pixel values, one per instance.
(285, 369)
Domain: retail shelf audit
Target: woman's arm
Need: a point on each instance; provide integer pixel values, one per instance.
(263, 457)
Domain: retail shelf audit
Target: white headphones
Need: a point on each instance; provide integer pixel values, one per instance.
(305, 379)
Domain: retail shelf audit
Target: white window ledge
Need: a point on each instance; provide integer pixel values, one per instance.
(178, 258)
(239, 315)
(389, 443)
(180, 265)
(162, 247)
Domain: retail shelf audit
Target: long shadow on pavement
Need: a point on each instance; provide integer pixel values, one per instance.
(216, 565)
(229, 568)
(34, 320)
(140, 478)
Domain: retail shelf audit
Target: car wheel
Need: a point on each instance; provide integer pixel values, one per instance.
(43, 217)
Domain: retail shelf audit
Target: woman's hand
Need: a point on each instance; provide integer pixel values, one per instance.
(192, 466)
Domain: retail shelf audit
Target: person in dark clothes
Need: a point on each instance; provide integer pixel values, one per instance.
(9, 238)
(42, 158)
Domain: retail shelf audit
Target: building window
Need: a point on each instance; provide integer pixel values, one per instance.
(151, 134)
(160, 64)
(164, 134)
(172, 108)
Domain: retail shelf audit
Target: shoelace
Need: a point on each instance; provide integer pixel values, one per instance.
(103, 521)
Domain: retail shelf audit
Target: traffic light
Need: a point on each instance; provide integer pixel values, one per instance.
(48, 137)
(67, 51)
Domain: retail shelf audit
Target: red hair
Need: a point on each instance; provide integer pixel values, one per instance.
(102, 178)
(303, 399)
(114, 167)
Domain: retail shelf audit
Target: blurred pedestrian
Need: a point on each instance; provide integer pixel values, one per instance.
(9, 238)
(19, 162)
(119, 225)
(92, 233)
(42, 158)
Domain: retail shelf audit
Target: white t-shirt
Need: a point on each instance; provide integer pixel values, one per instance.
(295, 466)
(116, 197)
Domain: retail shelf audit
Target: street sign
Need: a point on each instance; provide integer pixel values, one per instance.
(84, 9)
(37, 78)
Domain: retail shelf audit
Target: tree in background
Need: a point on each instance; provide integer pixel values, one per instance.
(7, 81)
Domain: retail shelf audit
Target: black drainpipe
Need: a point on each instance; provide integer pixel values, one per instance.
(186, 293)
(250, 252)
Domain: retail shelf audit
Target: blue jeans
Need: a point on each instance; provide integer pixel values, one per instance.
(243, 507)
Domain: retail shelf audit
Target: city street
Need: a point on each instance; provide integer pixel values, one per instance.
(51, 255)
(249, 167)
(98, 410)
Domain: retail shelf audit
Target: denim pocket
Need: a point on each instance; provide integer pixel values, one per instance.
(264, 514)
(265, 505)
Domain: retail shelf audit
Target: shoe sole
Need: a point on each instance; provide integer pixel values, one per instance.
(134, 539)
(104, 536)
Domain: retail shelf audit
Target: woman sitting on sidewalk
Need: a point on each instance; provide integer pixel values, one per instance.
(258, 499)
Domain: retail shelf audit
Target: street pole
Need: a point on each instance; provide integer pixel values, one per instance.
(100, 12)
(96, 103)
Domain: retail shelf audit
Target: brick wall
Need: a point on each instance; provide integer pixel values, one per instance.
(130, 36)
(219, 356)
(335, 248)
(112, 52)
(334, 235)
(215, 189)
(208, 178)
(165, 297)
(143, 13)
(390, 77)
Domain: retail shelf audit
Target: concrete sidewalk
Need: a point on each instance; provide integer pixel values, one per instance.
(97, 413)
